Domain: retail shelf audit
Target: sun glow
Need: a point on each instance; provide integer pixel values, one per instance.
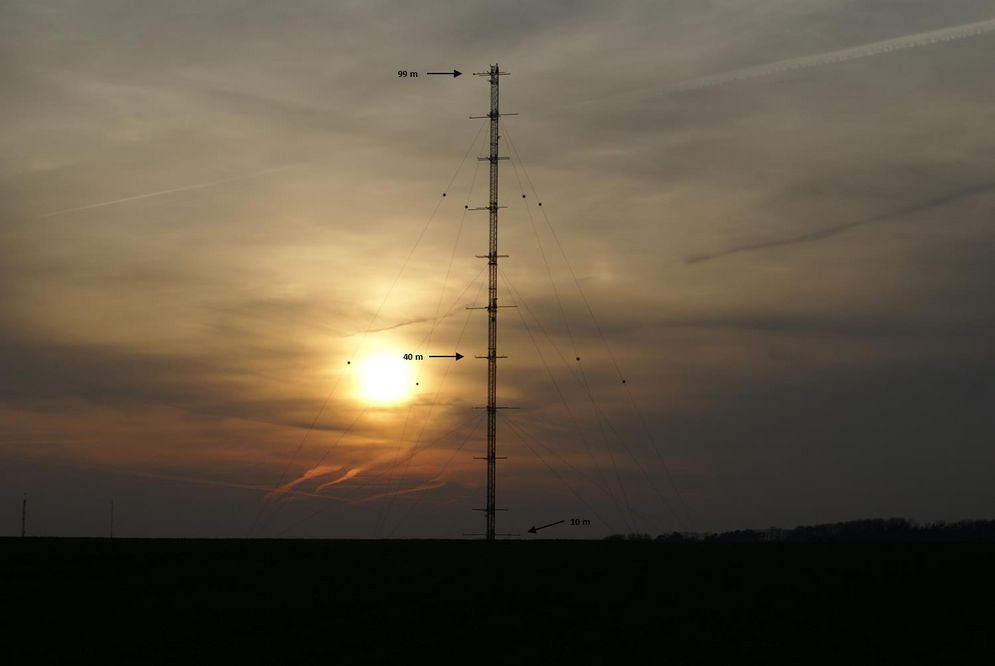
(385, 379)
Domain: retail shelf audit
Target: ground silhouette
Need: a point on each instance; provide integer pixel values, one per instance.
(323, 601)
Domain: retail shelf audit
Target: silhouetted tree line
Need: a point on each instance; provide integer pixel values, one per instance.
(874, 530)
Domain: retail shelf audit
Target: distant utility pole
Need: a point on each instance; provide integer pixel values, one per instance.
(112, 520)
(492, 256)
(24, 515)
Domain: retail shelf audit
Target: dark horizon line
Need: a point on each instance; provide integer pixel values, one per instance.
(867, 530)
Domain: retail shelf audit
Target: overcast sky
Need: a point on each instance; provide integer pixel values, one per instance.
(211, 213)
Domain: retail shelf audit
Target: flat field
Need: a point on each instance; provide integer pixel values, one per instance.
(127, 601)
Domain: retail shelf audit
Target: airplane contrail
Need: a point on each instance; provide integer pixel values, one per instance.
(832, 57)
(846, 226)
(905, 42)
(159, 193)
(222, 484)
(431, 485)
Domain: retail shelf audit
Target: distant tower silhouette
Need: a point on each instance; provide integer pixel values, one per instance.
(492, 256)
(24, 515)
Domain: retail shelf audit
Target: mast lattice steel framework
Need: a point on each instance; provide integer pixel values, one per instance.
(492, 257)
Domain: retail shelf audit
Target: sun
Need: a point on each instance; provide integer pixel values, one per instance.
(384, 379)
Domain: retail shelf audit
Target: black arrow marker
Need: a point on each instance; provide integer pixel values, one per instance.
(453, 73)
(535, 529)
(456, 356)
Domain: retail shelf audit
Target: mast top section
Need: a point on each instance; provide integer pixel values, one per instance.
(494, 73)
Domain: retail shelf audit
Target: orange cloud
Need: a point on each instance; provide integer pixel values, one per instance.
(319, 470)
(345, 477)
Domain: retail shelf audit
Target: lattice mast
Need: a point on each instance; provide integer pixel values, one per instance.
(492, 257)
